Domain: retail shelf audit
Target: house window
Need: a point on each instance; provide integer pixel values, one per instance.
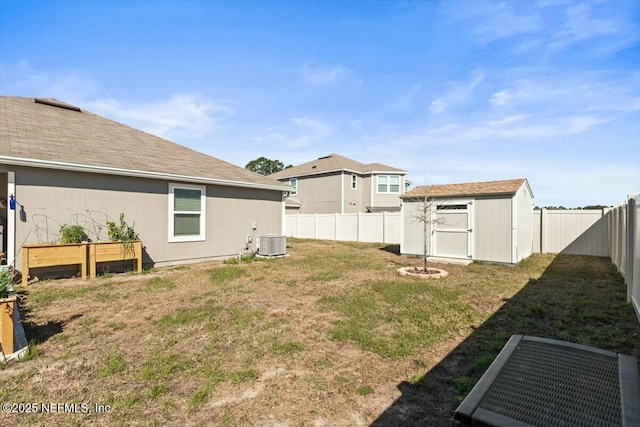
(294, 183)
(388, 183)
(354, 182)
(187, 212)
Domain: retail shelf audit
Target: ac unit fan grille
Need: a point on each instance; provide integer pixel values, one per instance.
(273, 245)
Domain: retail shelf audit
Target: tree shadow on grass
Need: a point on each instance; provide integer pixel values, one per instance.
(577, 299)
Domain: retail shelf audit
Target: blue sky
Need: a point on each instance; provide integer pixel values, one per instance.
(452, 91)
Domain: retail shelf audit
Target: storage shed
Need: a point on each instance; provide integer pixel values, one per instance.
(477, 221)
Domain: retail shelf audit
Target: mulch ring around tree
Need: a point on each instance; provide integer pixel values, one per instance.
(429, 273)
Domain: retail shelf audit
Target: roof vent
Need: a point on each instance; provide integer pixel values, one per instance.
(56, 103)
(314, 166)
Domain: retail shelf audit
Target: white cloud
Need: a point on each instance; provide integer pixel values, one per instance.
(323, 74)
(496, 20)
(550, 26)
(71, 86)
(458, 93)
(182, 115)
(580, 25)
(587, 92)
(517, 128)
(300, 133)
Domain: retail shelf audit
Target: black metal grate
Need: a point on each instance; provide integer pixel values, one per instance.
(546, 384)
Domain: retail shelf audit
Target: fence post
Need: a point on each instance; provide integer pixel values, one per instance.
(612, 222)
(315, 225)
(630, 245)
(623, 242)
(543, 231)
(384, 227)
(335, 226)
(358, 228)
(607, 229)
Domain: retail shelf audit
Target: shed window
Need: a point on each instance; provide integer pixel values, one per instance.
(388, 183)
(187, 212)
(452, 207)
(294, 183)
(354, 182)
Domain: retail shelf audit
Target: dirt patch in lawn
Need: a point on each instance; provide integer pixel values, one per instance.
(327, 336)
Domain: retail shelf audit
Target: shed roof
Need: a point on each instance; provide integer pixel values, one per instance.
(505, 187)
(51, 133)
(333, 163)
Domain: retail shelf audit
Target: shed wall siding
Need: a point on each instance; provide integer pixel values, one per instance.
(493, 229)
(413, 231)
(52, 198)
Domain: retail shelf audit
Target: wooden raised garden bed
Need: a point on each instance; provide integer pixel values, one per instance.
(7, 308)
(114, 251)
(51, 255)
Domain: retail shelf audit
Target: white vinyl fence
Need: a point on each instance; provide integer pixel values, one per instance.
(382, 227)
(576, 232)
(624, 246)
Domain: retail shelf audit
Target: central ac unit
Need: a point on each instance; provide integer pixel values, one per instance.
(272, 245)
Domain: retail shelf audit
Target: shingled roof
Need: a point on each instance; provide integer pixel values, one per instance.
(333, 163)
(485, 188)
(50, 133)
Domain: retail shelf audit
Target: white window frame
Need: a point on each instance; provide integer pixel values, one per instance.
(294, 192)
(354, 181)
(388, 184)
(203, 213)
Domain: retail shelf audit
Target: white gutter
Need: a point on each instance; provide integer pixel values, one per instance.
(75, 167)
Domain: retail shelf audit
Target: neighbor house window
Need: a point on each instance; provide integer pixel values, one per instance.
(187, 212)
(354, 182)
(388, 183)
(294, 183)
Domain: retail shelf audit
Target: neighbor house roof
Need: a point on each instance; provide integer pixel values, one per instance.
(509, 186)
(333, 163)
(49, 133)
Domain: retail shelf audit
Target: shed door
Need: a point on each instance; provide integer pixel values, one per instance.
(453, 229)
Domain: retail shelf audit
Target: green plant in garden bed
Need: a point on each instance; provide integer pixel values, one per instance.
(73, 234)
(7, 280)
(122, 232)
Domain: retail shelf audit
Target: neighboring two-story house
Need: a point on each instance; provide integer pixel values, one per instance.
(336, 184)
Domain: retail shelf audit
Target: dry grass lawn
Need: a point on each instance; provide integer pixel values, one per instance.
(327, 336)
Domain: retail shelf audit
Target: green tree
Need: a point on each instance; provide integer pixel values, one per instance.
(265, 166)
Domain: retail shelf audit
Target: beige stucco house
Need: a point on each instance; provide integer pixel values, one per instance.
(336, 184)
(483, 221)
(63, 165)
